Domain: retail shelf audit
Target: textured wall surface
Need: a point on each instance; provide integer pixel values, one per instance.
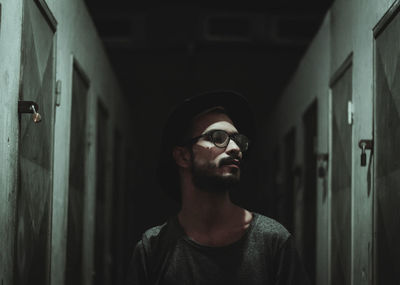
(10, 40)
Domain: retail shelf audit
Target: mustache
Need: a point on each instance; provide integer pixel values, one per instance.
(230, 160)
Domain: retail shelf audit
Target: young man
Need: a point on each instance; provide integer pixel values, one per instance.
(212, 240)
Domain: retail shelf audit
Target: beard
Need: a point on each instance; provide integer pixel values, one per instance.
(206, 178)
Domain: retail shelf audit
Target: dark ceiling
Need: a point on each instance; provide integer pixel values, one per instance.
(171, 49)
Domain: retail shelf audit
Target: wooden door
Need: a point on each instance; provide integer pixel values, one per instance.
(341, 144)
(387, 150)
(35, 159)
(77, 176)
(286, 196)
(101, 247)
(309, 217)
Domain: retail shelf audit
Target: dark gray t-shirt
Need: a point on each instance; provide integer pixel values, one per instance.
(264, 255)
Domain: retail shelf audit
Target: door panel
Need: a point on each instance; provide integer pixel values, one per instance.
(35, 150)
(310, 191)
(116, 240)
(77, 174)
(387, 141)
(286, 197)
(341, 180)
(101, 265)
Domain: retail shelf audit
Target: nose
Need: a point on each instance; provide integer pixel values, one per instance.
(232, 147)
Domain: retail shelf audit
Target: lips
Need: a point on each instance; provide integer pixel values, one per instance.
(231, 162)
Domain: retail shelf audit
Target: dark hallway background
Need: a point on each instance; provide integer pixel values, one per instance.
(79, 189)
(164, 51)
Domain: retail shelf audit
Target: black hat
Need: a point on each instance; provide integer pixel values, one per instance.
(179, 121)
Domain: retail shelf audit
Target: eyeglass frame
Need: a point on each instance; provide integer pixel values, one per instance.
(209, 135)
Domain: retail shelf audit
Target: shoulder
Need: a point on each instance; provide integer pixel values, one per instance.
(161, 235)
(269, 225)
(143, 260)
(153, 232)
(269, 230)
(152, 236)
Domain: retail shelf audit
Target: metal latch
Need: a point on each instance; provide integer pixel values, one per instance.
(30, 107)
(322, 159)
(365, 144)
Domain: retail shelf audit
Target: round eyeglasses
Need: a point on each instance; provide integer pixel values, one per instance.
(221, 139)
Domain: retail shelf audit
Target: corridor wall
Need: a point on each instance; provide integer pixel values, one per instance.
(343, 72)
(52, 200)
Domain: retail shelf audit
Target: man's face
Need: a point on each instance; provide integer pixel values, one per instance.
(215, 169)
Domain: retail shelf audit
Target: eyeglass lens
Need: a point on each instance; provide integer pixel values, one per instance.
(221, 139)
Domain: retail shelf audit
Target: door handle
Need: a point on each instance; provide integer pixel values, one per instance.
(365, 144)
(30, 107)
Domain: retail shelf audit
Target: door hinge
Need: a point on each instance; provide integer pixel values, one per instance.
(350, 112)
(58, 93)
(322, 164)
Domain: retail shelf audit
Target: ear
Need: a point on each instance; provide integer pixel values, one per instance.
(181, 156)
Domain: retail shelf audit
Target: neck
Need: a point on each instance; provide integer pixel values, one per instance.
(205, 212)
(207, 209)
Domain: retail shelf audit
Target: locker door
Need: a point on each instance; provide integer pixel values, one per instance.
(387, 151)
(341, 131)
(35, 165)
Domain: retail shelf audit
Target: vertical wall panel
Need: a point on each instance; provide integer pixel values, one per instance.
(286, 196)
(77, 174)
(310, 191)
(101, 188)
(117, 217)
(35, 150)
(276, 178)
(387, 131)
(129, 210)
(341, 180)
